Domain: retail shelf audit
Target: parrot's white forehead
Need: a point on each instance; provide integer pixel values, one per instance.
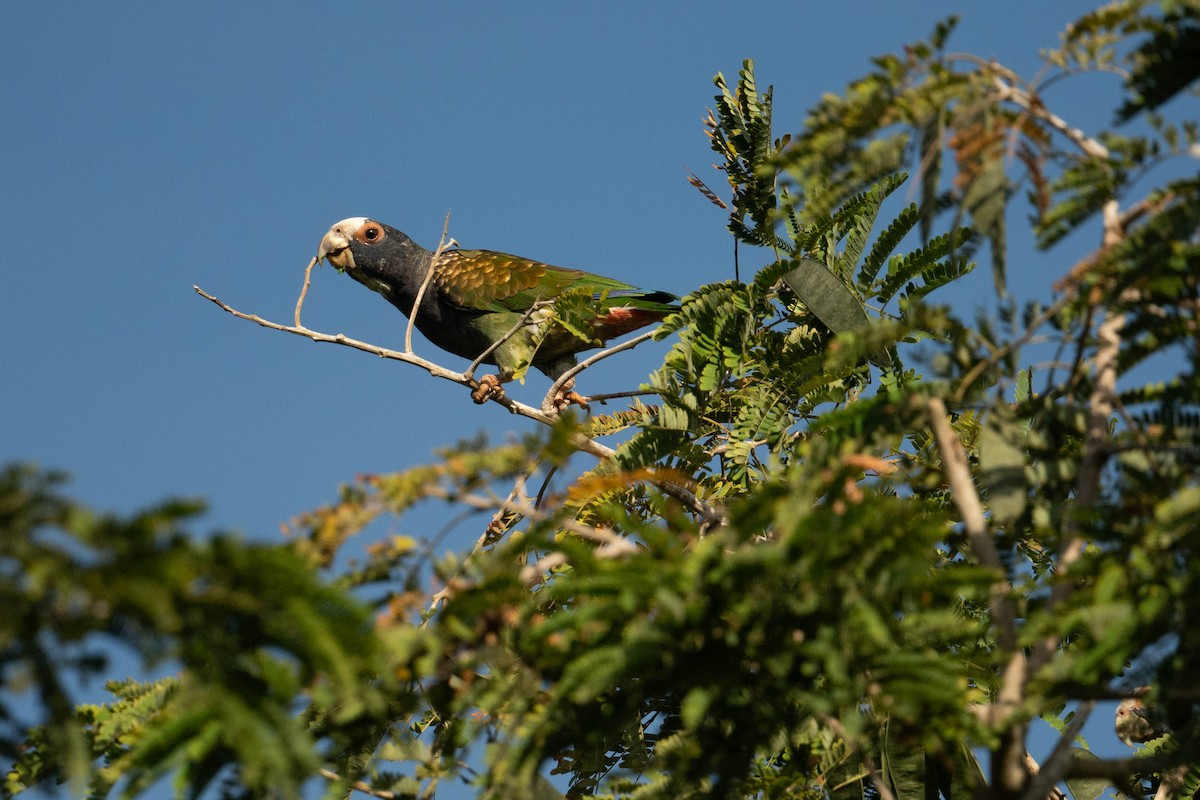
(348, 226)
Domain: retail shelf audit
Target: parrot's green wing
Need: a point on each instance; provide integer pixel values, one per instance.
(484, 280)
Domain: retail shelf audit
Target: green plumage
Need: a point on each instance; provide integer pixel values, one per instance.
(477, 298)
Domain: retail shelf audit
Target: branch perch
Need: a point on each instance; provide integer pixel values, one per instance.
(436, 370)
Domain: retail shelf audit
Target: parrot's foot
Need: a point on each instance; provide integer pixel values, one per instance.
(489, 389)
(567, 397)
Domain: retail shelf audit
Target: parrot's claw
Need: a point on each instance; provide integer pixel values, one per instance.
(567, 397)
(489, 389)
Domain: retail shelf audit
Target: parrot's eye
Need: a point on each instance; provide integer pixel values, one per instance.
(371, 232)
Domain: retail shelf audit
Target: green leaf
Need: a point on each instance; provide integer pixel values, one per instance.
(695, 706)
(986, 199)
(1166, 63)
(1002, 469)
(824, 294)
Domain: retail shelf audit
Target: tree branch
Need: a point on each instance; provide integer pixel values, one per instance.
(1033, 105)
(1060, 760)
(579, 441)
(609, 544)
(1053, 793)
(1101, 405)
(1008, 761)
(962, 489)
(358, 786)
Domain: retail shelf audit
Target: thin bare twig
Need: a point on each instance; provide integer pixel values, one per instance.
(304, 289)
(1147, 207)
(579, 441)
(532, 573)
(569, 375)
(1030, 102)
(1044, 781)
(962, 489)
(494, 346)
(358, 786)
(1027, 336)
(885, 791)
(603, 398)
(412, 317)
(342, 339)
(1101, 405)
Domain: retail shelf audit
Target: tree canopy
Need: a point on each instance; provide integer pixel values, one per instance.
(851, 544)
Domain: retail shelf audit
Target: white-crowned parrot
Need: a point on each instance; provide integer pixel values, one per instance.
(477, 297)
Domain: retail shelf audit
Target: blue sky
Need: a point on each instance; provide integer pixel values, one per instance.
(147, 147)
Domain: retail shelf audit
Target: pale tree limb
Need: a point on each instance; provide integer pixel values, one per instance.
(433, 369)
(1033, 105)
(616, 544)
(712, 515)
(1101, 406)
(503, 520)
(436, 370)
(966, 498)
(1008, 762)
(1054, 793)
(533, 573)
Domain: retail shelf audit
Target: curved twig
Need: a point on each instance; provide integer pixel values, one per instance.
(564, 380)
(304, 289)
(606, 396)
(358, 786)
(513, 331)
(412, 316)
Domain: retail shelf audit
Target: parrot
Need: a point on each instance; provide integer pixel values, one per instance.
(1136, 722)
(477, 298)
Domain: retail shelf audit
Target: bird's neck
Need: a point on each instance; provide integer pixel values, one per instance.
(401, 284)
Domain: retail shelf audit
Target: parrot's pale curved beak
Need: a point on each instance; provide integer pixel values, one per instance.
(335, 245)
(335, 248)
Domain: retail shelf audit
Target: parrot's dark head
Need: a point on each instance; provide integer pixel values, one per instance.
(377, 256)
